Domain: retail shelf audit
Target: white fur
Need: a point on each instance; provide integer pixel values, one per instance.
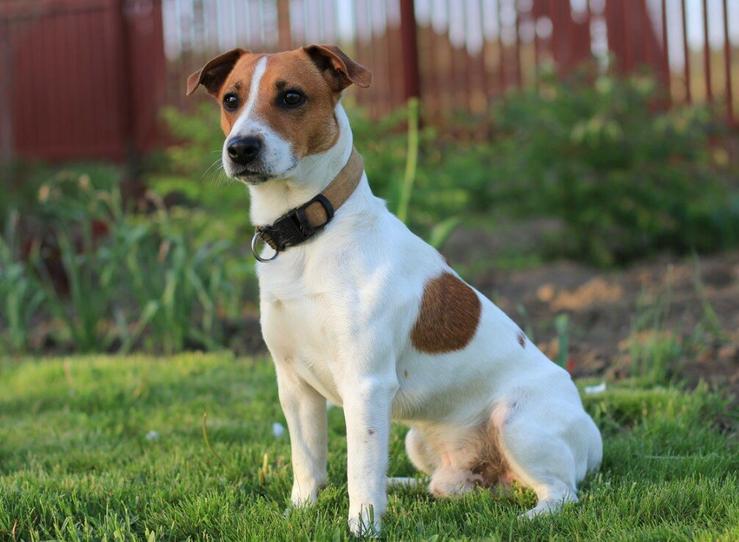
(256, 78)
(337, 312)
(277, 157)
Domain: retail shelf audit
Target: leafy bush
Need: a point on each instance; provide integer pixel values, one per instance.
(110, 281)
(624, 178)
(20, 296)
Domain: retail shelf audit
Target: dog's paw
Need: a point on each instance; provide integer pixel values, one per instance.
(549, 506)
(365, 522)
(302, 496)
(451, 483)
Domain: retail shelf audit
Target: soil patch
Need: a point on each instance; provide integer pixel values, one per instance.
(693, 301)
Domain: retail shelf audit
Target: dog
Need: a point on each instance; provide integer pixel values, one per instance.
(357, 310)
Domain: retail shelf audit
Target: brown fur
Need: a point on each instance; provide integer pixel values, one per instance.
(491, 465)
(449, 315)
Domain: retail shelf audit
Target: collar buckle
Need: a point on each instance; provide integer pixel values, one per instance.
(303, 222)
(255, 250)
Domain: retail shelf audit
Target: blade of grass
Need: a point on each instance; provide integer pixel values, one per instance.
(411, 161)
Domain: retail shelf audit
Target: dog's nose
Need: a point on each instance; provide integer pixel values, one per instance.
(243, 150)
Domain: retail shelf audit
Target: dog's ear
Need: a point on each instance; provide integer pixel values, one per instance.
(339, 70)
(212, 75)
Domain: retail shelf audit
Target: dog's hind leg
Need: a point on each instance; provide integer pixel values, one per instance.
(459, 456)
(536, 456)
(447, 458)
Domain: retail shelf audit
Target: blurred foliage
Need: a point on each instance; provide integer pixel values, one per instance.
(623, 178)
(27, 188)
(87, 276)
(190, 176)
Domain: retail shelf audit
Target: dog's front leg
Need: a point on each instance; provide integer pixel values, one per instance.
(305, 412)
(367, 406)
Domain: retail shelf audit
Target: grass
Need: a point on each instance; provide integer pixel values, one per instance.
(114, 448)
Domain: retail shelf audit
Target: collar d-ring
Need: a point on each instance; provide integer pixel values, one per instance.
(254, 241)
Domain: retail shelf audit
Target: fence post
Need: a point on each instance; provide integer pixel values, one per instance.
(727, 67)
(686, 52)
(284, 38)
(132, 187)
(6, 108)
(409, 46)
(707, 54)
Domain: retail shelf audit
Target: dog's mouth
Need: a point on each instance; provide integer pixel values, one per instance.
(252, 176)
(258, 176)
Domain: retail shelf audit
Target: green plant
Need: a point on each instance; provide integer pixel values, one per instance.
(655, 356)
(654, 351)
(411, 162)
(624, 178)
(20, 294)
(181, 286)
(562, 325)
(709, 326)
(112, 280)
(191, 175)
(27, 184)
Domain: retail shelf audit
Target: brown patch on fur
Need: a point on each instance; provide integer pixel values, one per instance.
(449, 315)
(522, 339)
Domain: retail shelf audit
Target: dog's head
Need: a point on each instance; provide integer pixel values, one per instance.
(277, 108)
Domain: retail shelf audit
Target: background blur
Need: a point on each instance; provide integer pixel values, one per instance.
(576, 160)
(131, 57)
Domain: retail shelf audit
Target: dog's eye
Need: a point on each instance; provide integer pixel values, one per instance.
(230, 101)
(292, 98)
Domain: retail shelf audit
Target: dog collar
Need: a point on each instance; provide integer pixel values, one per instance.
(301, 223)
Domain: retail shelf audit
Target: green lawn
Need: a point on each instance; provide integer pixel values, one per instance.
(76, 462)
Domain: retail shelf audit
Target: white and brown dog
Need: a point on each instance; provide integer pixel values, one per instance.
(358, 310)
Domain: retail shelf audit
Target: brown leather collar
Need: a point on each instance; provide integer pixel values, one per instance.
(302, 223)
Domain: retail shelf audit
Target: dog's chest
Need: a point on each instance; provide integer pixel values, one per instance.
(299, 324)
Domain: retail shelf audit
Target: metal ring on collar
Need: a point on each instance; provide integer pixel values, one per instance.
(256, 252)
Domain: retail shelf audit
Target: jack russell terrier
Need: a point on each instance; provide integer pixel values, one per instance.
(358, 310)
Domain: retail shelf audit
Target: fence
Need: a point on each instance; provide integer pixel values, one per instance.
(94, 70)
(458, 55)
(80, 78)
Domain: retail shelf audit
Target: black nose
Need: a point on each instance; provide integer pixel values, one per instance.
(243, 150)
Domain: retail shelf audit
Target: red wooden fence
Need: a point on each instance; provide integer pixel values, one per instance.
(80, 78)
(85, 78)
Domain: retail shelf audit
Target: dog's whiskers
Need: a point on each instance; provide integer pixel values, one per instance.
(216, 173)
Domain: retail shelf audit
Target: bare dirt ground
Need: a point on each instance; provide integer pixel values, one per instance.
(693, 301)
